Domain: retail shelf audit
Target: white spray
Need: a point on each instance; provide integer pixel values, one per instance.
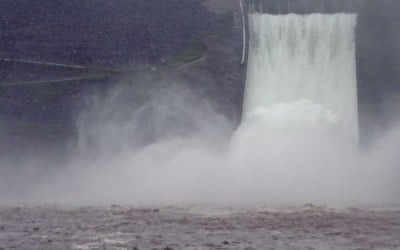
(301, 79)
(302, 72)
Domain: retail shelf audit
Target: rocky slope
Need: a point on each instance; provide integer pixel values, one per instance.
(133, 35)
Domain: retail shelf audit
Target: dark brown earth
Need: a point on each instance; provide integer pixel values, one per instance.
(191, 227)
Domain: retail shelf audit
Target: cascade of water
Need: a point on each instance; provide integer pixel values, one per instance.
(304, 67)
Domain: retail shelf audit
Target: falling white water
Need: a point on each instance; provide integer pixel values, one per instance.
(302, 72)
(152, 143)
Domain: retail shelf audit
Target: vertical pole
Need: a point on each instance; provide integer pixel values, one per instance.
(244, 32)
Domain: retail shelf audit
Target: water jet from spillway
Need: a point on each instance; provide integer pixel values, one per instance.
(302, 73)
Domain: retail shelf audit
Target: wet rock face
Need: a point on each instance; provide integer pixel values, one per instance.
(99, 31)
(378, 61)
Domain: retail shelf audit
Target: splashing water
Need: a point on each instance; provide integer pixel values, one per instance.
(301, 72)
(174, 148)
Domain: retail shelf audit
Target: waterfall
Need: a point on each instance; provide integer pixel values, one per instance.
(302, 72)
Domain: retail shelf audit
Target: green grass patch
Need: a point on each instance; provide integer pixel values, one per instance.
(193, 50)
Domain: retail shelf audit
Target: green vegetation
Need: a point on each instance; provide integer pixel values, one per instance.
(193, 50)
(195, 47)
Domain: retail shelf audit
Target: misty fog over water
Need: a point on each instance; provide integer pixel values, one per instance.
(177, 134)
(199, 124)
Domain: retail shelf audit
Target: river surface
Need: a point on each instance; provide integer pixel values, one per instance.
(199, 227)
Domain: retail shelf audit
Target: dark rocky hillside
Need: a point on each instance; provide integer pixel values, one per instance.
(378, 58)
(99, 32)
(141, 35)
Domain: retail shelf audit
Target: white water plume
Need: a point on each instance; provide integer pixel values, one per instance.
(306, 62)
(190, 160)
(170, 146)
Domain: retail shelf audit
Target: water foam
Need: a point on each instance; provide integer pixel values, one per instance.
(173, 147)
(302, 71)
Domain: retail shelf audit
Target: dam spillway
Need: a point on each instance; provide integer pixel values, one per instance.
(304, 68)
